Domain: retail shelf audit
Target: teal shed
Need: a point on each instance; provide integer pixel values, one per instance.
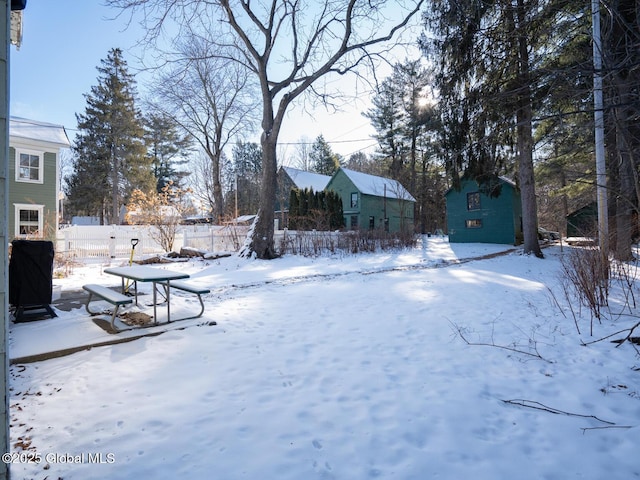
(482, 215)
(372, 202)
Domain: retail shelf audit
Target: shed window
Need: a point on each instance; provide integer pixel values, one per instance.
(473, 201)
(354, 221)
(29, 167)
(372, 222)
(354, 200)
(474, 223)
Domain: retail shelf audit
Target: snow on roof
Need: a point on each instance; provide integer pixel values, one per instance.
(507, 180)
(304, 179)
(36, 130)
(502, 178)
(379, 186)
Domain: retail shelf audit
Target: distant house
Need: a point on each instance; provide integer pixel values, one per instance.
(371, 202)
(289, 178)
(477, 215)
(34, 172)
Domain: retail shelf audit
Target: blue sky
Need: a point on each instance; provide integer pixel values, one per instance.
(63, 43)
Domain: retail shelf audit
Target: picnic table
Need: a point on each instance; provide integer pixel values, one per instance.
(146, 274)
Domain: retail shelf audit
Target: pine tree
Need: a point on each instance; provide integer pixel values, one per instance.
(334, 207)
(167, 149)
(323, 160)
(621, 37)
(294, 208)
(109, 148)
(386, 117)
(247, 161)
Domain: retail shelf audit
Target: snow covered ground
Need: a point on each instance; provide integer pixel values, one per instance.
(345, 367)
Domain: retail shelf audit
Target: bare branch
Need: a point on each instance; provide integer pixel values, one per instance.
(504, 347)
(539, 406)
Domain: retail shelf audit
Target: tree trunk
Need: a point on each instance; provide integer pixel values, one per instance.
(623, 46)
(114, 191)
(527, 185)
(218, 206)
(625, 197)
(525, 143)
(260, 239)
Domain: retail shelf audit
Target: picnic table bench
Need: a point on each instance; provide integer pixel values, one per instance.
(103, 293)
(190, 288)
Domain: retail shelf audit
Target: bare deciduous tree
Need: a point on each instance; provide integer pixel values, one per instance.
(211, 98)
(288, 45)
(201, 180)
(302, 151)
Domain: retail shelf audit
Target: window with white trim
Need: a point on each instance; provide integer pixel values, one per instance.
(474, 223)
(29, 220)
(29, 166)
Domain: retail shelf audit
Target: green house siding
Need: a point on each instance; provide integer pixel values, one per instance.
(368, 211)
(497, 220)
(40, 194)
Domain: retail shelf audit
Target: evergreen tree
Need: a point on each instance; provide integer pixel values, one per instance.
(109, 148)
(489, 56)
(294, 208)
(247, 164)
(322, 158)
(565, 173)
(334, 207)
(386, 117)
(416, 113)
(621, 37)
(167, 149)
(315, 210)
(312, 199)
(303, 205)
(407, 124)
(399, 116)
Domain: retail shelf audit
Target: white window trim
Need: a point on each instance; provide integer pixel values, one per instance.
(28, 206)
(40, 154)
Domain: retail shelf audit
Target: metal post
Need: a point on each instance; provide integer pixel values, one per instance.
(601, 169)
(5, 30)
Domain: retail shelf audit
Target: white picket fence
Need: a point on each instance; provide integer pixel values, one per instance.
(115, 241)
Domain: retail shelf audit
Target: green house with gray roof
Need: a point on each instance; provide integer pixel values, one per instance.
(485, 214)
(372, 202)
(34, 173)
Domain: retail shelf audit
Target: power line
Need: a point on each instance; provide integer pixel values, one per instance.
(328, 141)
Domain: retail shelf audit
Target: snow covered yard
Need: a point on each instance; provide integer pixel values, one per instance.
(345, 368)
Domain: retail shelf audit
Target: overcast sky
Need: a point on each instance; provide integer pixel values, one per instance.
(65, 40)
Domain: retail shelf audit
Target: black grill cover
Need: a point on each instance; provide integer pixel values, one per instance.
(30, 273)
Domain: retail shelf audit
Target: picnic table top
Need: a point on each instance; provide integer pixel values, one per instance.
(143, 273)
